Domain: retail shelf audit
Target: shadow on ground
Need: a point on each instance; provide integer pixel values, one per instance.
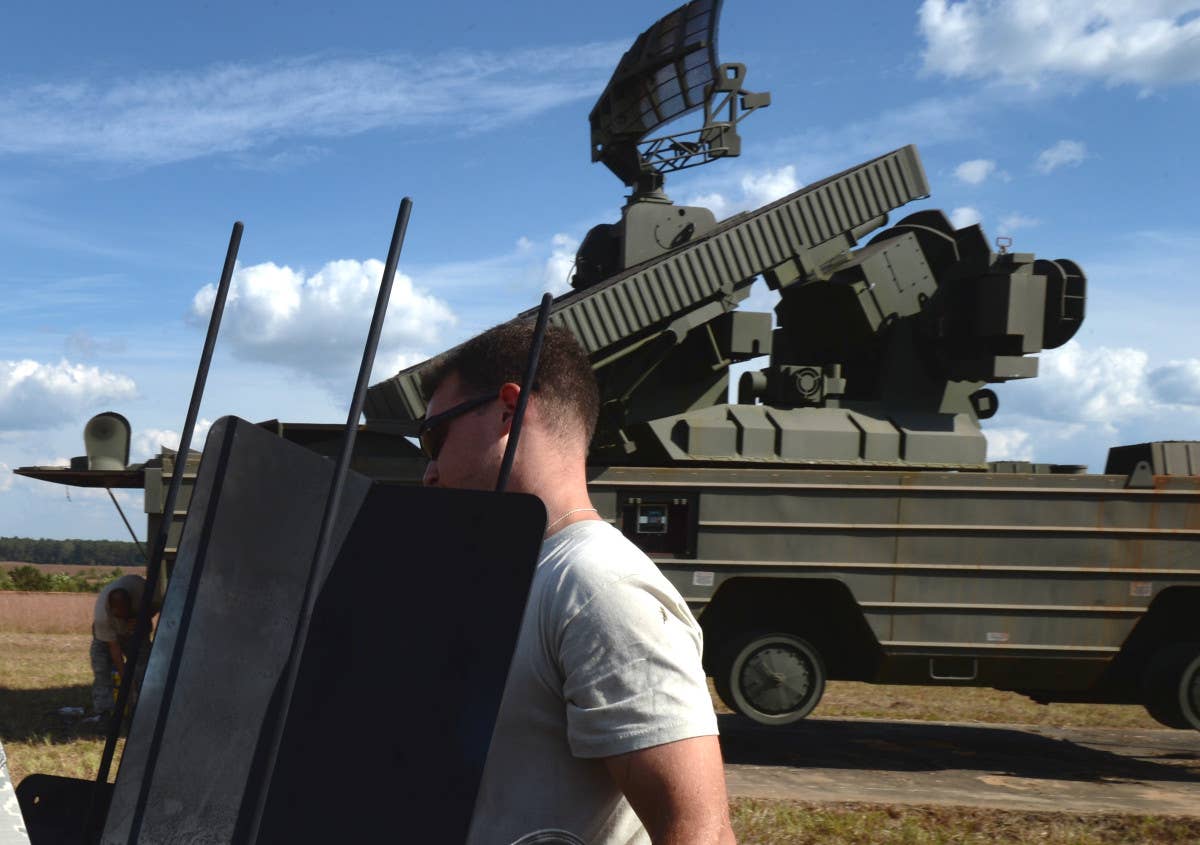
(1087, 755)
(28, 714)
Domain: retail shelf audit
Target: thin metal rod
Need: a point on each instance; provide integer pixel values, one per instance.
(332, 506)
(136, 541)
(535, 352)
(154, 565)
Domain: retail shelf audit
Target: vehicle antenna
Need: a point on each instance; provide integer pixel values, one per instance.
(141, 631)
(535, 352)
(308, 605)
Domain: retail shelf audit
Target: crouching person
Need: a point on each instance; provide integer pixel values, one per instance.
(116, 613)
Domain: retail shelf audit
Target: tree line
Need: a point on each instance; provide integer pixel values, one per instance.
(108, 553)
(30, 578)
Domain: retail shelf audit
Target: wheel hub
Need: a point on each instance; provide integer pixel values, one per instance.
(776, 680)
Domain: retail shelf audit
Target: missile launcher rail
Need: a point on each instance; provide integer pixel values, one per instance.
(696, 282)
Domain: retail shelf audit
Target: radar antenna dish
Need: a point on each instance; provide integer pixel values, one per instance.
(670, 71)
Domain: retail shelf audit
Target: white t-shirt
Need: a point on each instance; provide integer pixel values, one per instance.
(108, 628)
(607, 661)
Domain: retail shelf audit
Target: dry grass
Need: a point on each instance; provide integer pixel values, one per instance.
(40, 673)
(91, 572)
(847, 699)
(46, 613)
(760, 822)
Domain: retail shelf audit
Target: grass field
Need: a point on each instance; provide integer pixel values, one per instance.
(45, 667)
(45, 613)
(61, 568)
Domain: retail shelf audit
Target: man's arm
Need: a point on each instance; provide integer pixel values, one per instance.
(677, 790)
(114, 652)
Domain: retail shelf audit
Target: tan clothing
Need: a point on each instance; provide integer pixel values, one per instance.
(108, 628)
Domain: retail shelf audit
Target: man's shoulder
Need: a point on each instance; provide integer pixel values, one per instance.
(587, 558)
(594, 550)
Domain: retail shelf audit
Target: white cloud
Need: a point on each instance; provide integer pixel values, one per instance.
(1016, 221)
(975, 171)
(1028, 42)
(1176, 382)
(1009, 444)
(1101, 386)
(6, 476)
(148, 442)
(239, 107)
(965, 216)
(1087, 400)
(1063, 154)
(770, 185)
(317, 324)
(560, 266)
(751, 190)
(716, 202)
(34, 394)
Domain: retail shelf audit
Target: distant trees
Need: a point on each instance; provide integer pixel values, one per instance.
(32, 579)
(108, 553)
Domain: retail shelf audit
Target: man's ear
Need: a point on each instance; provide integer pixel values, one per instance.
(509, 394)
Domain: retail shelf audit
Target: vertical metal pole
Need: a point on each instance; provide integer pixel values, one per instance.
(95, 818)
(535, 352)
(309, 602)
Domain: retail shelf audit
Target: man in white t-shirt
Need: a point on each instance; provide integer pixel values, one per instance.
(113, 622)
(606, 728)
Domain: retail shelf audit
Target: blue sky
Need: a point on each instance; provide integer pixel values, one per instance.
(131, 138)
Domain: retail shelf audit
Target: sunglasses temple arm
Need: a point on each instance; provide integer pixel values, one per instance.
(535, 352)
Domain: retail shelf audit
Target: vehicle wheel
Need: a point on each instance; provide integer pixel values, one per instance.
(773, 678)
(1171, 686)
(721, 675)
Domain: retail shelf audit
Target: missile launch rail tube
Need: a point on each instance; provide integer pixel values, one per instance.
(809, 226)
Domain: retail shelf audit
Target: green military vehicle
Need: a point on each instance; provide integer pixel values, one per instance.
(839, 518)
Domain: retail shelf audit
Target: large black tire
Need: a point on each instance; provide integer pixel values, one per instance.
(1171, 686)
(773, 678)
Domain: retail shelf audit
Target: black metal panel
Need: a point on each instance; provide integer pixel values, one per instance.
(410, 587)
(54, 808)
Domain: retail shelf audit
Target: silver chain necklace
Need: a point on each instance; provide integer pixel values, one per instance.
(568, 513)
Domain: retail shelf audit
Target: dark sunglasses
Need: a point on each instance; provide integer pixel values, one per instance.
(433, 430)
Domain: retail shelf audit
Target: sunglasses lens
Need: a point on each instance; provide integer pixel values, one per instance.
(431, 442)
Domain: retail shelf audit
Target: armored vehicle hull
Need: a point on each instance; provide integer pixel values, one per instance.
(1061, 587)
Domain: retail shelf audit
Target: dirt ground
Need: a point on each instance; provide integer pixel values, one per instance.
(1009, 767)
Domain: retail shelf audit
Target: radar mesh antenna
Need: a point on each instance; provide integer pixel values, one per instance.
(670, 71)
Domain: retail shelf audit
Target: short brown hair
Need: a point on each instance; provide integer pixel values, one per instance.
(564, 380)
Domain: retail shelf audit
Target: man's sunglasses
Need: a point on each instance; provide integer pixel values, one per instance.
(433, 430)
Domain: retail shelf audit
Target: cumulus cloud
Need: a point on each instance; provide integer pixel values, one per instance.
(149, 442)
(1009, 444)
(752, 190)
(1028, 42)
(1063, 154)
(317, 324)
(770, 185)
(1016, 221)
(560, 266)
(1086, 400)
(965, 216)
(975, 171)
(236, 108)
(1176, 383)
(35, 395)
